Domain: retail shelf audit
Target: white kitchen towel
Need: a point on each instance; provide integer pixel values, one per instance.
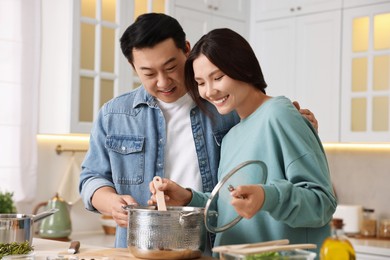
(69, 186)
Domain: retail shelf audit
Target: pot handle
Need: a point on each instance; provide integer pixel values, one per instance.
(184, 215)
(44, 214)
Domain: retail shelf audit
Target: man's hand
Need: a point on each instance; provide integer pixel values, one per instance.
(308, 114)
(108, 202)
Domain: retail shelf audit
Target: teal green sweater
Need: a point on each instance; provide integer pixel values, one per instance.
(299, 199)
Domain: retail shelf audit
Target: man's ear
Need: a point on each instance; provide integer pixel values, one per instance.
(188, 48)
(131, 63)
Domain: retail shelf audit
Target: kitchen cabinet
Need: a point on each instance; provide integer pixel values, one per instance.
(366, 74)
(81, 64)
(265, 9)
(356, 3)
(198, 18)
(300, 59)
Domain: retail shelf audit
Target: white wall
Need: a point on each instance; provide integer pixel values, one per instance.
(51, 168)
(362, 178)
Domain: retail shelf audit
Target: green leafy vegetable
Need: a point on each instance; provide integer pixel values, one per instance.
(15, 248)
(6, 203)
(267, 255)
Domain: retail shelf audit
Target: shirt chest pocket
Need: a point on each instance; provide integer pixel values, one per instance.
(125, 144)
(127, 159)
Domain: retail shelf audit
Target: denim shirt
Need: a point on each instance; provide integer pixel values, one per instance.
(126, 148)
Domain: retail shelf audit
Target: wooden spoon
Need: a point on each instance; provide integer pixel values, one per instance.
(157, 181)
(274, 248)
(219, 249)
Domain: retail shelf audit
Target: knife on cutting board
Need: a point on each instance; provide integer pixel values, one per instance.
(74, 247)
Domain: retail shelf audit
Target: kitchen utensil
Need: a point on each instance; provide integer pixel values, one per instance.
(246, 173)
(296, 254)
(74, 247)
(19, 227)
(219, 249)
(272, 248)
(176, 233)
(58, 225)
(159, 194)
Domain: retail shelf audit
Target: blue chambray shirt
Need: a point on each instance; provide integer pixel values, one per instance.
(126, 148)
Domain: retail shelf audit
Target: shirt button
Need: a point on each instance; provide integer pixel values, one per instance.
(123, 148)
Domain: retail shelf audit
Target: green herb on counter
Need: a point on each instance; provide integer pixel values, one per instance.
(268, 255)
(6, 203)
(15, 248)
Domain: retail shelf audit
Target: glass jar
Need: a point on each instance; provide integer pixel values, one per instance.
(368, 228)
(384, 228)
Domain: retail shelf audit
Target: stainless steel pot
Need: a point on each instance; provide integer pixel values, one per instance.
(20, 227)
(178, 233)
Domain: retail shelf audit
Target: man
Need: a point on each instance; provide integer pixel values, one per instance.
(155, 130)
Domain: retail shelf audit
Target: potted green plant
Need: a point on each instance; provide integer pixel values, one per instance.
(7, 205)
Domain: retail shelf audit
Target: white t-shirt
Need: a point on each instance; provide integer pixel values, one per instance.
(181, 161)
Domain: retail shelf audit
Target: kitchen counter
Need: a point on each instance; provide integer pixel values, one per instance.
(44, 248)
(372, 247)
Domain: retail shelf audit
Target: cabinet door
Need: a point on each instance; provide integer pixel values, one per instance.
(222, 22)
(300, 57)
(274, 45)
(265, 9)
(233, 9)
(194, 23)
(366, 74)
(356, 3)
(317, 69)
(199, 5)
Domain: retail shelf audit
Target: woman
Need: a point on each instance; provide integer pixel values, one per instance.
(297, 201)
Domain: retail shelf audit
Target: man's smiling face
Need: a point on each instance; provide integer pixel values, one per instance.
(161, 70)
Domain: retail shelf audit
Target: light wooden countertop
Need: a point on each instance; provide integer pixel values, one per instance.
(44, 249)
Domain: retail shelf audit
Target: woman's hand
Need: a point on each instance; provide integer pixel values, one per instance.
(308, 114)
(247, 200)
(174, 194)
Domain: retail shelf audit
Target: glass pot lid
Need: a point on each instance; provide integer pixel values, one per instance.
(246, 173)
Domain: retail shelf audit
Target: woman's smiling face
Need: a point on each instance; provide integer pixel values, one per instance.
(219, 89)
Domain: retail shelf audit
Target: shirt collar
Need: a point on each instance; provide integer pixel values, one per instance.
(143, 97)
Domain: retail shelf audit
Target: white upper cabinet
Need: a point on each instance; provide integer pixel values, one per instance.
(356, 3)
(300, 59)
(266, 9)
(366, 74)
(199, 17)
(233, 9)
(82, 66)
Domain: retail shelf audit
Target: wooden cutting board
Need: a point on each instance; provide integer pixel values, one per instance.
(114, 254)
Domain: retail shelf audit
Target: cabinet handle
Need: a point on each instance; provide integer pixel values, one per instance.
(210, 7)
(215, 8)
(299, 8)
(292, 9)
